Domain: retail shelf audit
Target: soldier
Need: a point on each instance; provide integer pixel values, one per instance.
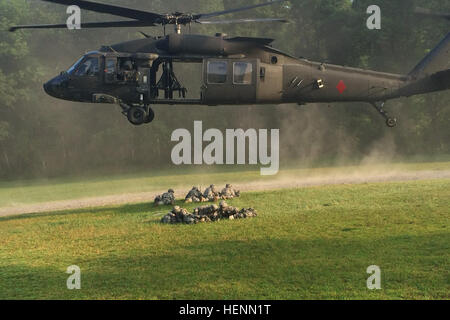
(211, 193)
(158, 201)
(229, 192)
(178, 215)
(195, 195)
(227, 211)
(166, 199)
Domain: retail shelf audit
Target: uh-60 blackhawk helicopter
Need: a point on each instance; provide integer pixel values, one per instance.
(236, 70)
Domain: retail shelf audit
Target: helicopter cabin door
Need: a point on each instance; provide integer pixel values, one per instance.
(230, 81)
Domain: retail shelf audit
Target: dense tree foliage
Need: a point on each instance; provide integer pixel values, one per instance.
(41, 136)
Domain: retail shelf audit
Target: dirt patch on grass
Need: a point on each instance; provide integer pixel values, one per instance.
(284, 182)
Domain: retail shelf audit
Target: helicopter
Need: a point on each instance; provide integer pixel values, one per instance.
(234, 70)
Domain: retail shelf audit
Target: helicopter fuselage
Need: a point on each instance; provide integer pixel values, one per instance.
(235, 71)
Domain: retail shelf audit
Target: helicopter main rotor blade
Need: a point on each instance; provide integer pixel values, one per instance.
(146, 18)
(241, 21)
(88, 25)
(428, 12)
(112, 9)
(220, 13)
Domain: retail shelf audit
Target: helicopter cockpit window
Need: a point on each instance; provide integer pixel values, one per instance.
(217, 72)
(75, 66)
(242, 73)
(90, 67)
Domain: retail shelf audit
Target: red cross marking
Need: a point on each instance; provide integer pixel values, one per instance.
(341, 87)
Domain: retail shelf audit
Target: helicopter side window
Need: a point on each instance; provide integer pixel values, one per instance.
(111, 66)
(217, 72)
(242, 73)
(90, 67)
(127, 70)
(110, 70)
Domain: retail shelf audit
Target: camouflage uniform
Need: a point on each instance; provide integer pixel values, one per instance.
(158, 201)
(178, 215)
(210, 213)
(229, 192)
(166, 199)
(195, 195)
(207, 214)
(211, 193)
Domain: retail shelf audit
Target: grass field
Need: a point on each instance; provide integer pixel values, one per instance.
(29, 192)
(307, 243)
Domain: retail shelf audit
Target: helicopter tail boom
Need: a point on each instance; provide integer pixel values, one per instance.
(438, 81)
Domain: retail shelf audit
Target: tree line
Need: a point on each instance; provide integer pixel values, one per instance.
(44, 137)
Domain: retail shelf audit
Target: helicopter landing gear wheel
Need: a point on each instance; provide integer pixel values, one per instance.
(390, 122)
(137, 116)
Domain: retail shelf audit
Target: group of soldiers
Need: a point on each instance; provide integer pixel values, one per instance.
(210, 213)
(211, 194)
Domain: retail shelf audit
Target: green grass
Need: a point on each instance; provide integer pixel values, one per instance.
(310, 243)
(29, 192)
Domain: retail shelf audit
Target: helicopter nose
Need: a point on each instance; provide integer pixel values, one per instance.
(52, 88)
(55, 87)
(48, 88)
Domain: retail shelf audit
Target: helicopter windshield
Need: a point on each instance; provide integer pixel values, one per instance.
(75, 66)
(88, 65)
